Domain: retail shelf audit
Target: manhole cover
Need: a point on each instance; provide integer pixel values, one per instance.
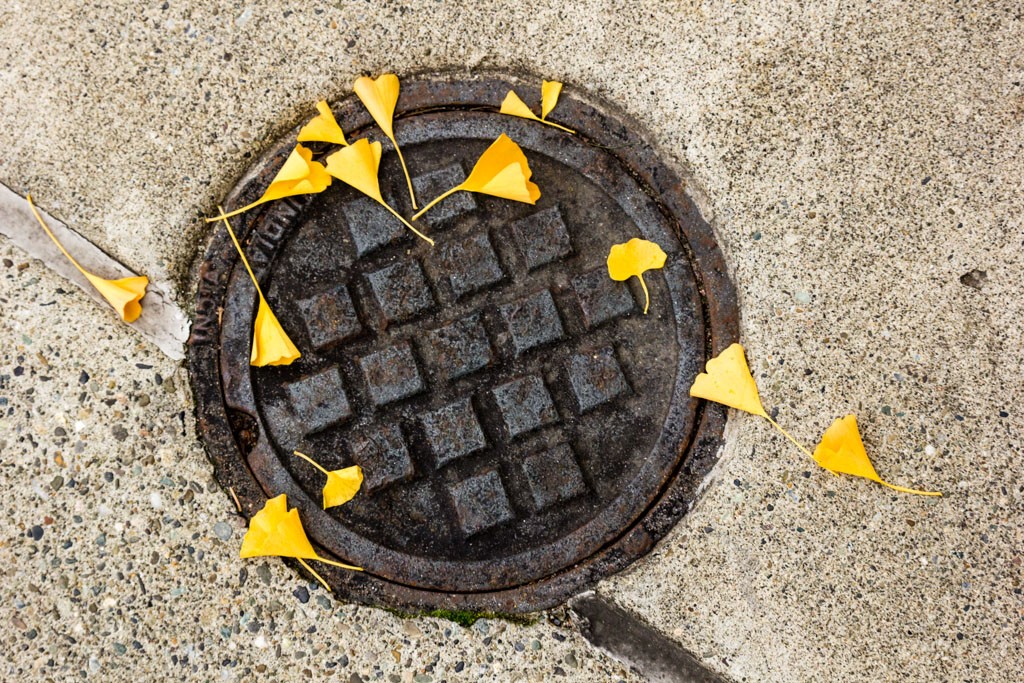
(523, 428)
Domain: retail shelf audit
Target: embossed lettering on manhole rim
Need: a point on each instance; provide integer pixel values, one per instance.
(523, 428)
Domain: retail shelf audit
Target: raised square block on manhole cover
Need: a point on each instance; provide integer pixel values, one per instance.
(319, 400)
(481, 502)
(458, 348)
(371, 225)
(452, 431)
(330, 317)
(430, 185)
(470, 264)
(383, 455)
(601, 298)
(532, 321)
(553, 476)
(391, 374)
(401, 290)
(596, 378)
(542, 237)
(524, 405)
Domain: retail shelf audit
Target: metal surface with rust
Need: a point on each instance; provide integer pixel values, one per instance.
(523, 428)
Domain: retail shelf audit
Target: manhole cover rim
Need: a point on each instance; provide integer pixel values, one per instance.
(425, 93)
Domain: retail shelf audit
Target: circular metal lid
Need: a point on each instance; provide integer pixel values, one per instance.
(523, 428)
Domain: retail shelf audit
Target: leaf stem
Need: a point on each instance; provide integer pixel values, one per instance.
(903, 489)
(339, 564)
(788, 436)
(313, 572)
(310, 460)
(223, 216)
(408, 180)
(407, 223)
(552, 123)
(647, 295)
(52, 237)
(436, 200)
(236, 211)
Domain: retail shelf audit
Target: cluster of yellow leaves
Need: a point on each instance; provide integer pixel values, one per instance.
(728, 381)
(276, 531)
(549, 92)
(501, 171)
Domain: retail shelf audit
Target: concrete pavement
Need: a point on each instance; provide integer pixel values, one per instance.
(861, 167)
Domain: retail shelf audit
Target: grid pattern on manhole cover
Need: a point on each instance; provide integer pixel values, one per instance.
(523, 428)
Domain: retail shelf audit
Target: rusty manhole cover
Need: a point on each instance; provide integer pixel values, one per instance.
(524, 429)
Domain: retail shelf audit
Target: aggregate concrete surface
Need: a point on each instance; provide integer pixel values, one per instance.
(861, 165)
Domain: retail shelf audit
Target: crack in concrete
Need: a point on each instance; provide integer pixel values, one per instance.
(162, 321)
(626, 638)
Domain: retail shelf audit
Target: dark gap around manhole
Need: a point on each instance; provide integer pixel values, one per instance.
(524, 430)
(245, 428)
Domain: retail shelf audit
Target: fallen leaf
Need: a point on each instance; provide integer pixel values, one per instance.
(123, 294)
(270, 343)
(358, 165)
(323, 128)
(299, 175)
(728, 381)
(549, 92)
(842, 450)
(513, 105)
(276, 531)
(501, 171)
(342, 485)
(635, 257)
(380, 97)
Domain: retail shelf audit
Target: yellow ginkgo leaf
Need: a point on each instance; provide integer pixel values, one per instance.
(342, 485)
(358, 165)
(728, 381)
(123, 294)
(270, 343)
(501, 171)
(514, 106)
(635, 257)
(842, 450)
(380, 97)
(276, 531)
(323, 128)
(299, 175)
(549, 92)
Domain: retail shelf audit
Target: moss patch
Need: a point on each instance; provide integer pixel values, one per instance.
(466, 618)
